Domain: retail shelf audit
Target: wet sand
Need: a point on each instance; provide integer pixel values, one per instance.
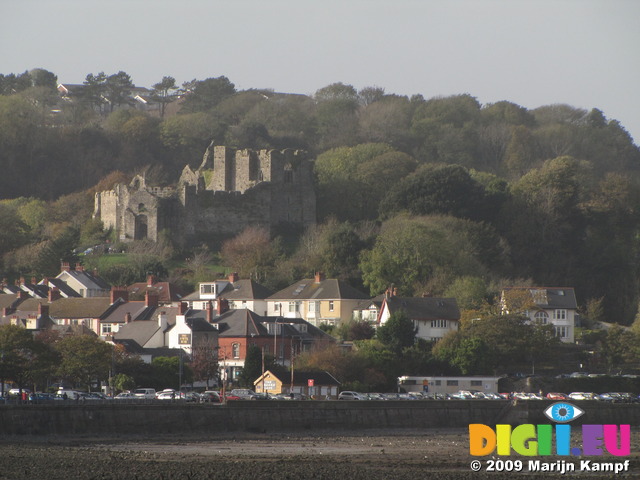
(370, 455)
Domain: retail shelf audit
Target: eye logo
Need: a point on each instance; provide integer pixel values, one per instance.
(562, 412)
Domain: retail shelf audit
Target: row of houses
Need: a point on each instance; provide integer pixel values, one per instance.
(226, 316)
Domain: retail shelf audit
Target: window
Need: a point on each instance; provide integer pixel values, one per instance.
(437, 383)
(235, 348)
(476, 383)
(440, 323)
(294, 307)
(105, 328)
(312, 307)
(542, 317)
(207, 288)
(331, 305)
(452, 383)
(562, 332)
(560, 314)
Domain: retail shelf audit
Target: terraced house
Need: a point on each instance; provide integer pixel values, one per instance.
(317, 300)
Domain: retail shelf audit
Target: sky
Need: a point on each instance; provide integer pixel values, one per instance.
(584, 53)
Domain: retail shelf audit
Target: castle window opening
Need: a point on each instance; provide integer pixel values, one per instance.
(288, 176)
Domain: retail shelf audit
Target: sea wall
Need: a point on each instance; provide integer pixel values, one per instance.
(257, 416)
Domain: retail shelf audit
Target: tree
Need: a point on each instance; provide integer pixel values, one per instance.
(162, 93)
(204, 361)
(94, 90)
(427, 253)
(166, 372)
(122, 382)
(251, 253)
(437, 189)
(85, 359)
(59, 249)
(13, 231)
(253, 366)
(117, 89)
(469, 292)
(398, 332)
(356, 330)
(469, 355)
(43, 78)
(203, 95)
(20, 355)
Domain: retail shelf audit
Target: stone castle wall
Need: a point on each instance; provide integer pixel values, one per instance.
(232, 189)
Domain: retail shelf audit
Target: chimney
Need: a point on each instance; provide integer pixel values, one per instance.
(233, 277)
(43, 310)
(151, 299)
(210, 311)
(54, 294)
(127, 317)
(22, 281)
(79, 267)
(151, 280)
(182, 308)
(222, 306)
(119, 292)
(162, 321)
(319, 277)
(65, 267)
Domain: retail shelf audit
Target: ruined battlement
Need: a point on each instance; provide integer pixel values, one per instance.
(230, 190)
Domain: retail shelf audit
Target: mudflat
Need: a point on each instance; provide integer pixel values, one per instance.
(366, 454)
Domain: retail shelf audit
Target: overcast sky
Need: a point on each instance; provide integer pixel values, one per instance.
(585, 53)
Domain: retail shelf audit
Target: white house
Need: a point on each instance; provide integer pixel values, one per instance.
(432, 317)
(548, 305)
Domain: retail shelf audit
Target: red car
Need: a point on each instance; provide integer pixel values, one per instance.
(557, 396)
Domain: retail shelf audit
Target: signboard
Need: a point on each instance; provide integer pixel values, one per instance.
(184, 339)
(269, 384)
(310, 382)
(425, 385)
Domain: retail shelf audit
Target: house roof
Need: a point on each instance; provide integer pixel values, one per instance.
(551, 297)
(424, 308)
(8, 300)
(78, 307)
(166, 292)
(137, 310)
(246, 290)
(238, 290)
(87, 279)
(136, 333)
(309, 289)
(240, 323)
(303, 377)
(65, 290)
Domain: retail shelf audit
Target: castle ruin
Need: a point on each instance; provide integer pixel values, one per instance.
(230, 190)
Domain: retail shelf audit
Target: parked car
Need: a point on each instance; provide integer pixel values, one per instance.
(210, 396)
(125, 396)
(247, 394)
(582, 396)
(170, 394)
(295, 396)
(557, 396)
(348, 395)
(147, 393)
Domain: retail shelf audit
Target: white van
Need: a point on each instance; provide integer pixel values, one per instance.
(147, 393)
(65, 394)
